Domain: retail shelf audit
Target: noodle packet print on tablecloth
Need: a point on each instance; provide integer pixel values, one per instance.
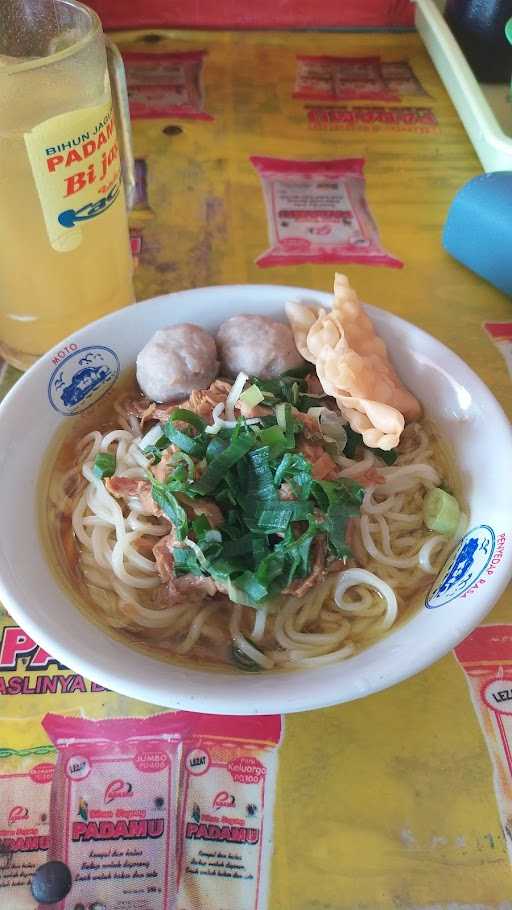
(317, 212)
(225, 825)
(486, 659)
(165, 85)
(401, 79)
(26, 774)
(113, 810)
(327, 78)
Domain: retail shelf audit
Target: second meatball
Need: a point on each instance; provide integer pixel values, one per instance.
(258, 346)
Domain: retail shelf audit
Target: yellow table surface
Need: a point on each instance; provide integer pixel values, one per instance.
(388, 802)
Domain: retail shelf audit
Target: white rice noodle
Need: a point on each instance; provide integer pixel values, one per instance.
(194, 631)
(398, 478)
(146, 527)
(151, 437)
(234, 394)
(388, 558)
(258, 630)
(355, 469)
(91, 439)
(354, 577)
(263, 660)
(372, 506)
(425, 553)
(219, 422)
(299, 659)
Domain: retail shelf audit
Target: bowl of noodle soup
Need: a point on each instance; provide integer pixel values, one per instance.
(136, 552)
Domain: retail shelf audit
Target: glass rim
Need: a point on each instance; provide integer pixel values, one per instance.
(96, 28)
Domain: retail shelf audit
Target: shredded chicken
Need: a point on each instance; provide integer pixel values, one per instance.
(203, 401)
(161, 470)
(310, 423)
(202, 506)
(301, 585)
(163, 553)
(180, 589)
(126, 487)
(257, 410)
(323, 467)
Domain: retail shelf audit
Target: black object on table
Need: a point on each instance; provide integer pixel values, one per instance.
(479, 27)
(51, 882)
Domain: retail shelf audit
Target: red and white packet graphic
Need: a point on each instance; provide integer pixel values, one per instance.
(486, 659)
(327, 78)
(500, 334)
(165, 84)
(225, 824)
(401, 79)
(113, 809)
(317, 212)
(25, 783)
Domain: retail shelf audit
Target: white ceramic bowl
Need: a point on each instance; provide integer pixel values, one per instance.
(460, 404)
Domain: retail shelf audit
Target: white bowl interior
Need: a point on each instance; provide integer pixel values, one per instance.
(464, 411)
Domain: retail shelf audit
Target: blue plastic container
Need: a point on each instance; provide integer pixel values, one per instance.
(478, 230)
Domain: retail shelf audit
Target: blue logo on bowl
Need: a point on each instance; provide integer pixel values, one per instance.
(82, 378)
(464, 567)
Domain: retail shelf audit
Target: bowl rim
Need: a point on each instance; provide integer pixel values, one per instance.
(137, 688)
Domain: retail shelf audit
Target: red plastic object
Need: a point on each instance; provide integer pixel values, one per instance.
(245, 14)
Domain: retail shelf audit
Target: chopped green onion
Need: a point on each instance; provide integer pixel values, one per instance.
(296, 470)
(237, 596)
(275, 438)
(190, 417)
(249, 584)
(192, 445)
(155, 450)
(260, 548)
(240, 547)
(170, 506)
(104, 465)
(182, 458)
(216, 470)
(259, 481)
(275, 518)
(185, 561)
(198, 553)
(252, 396)
(280, 411)
(441, 512)
(335, 526)
(215, 447)
(200, 526)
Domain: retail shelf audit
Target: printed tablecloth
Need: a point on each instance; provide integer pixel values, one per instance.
(393, 801)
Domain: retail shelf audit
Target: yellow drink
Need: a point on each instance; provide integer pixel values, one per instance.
(64, 246)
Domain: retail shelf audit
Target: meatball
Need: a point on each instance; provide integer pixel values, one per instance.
(257, 345)
(175, 361)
